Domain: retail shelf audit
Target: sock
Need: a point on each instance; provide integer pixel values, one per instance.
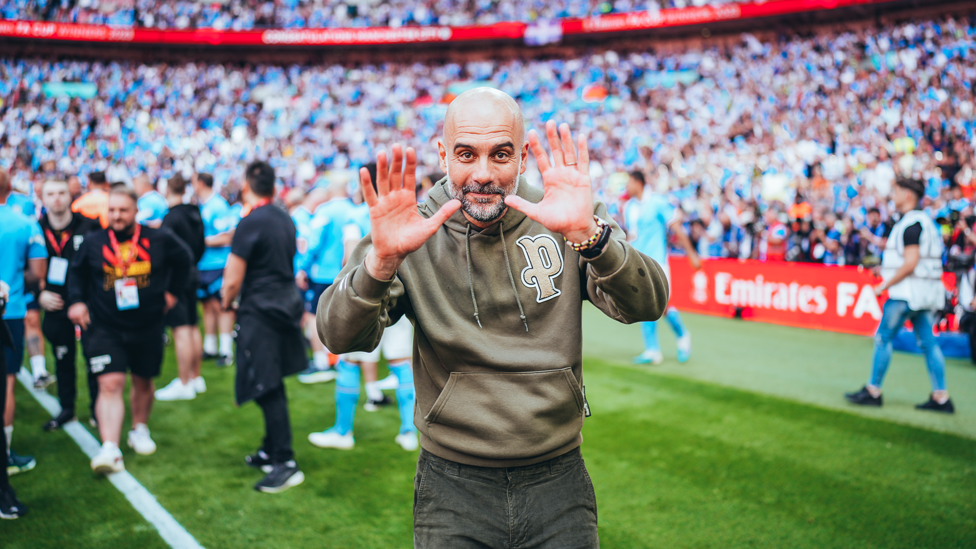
(38, 365)
(674, 319)
(321, 359)
(210, 344)
(110, 444)
(649, 334)
(347, 396)
(404, 394)
(226, 345)
(8, 432)
(373, 392)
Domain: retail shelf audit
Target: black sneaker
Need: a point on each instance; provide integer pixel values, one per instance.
(224, 361)
(863, 398)
(64, 417)
(374, 405)
(209, 356)
(10, 506)
(43, 381)
(259, 460)
(933, 406)
(19, 464)
(282, 477)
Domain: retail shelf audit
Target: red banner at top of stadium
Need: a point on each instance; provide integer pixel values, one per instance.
(413, 35)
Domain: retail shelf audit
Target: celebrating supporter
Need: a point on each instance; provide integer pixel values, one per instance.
(219, 222)
(912, 270)
(526, 258)
(185, 222)
(64, 232)
(260, 269)
(648, 224)
(123, 281)
(23, 259)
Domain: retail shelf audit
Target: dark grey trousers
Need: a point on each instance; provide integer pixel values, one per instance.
(546, 505)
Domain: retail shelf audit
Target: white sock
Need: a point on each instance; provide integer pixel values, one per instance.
(8, 432)
(226, 345)
(373, 392)
(38, 365)
(321, 359)
(210, 344)
(110, 445)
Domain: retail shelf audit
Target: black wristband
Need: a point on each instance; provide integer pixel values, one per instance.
(594, 251)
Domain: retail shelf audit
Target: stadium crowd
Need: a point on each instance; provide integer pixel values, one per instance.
(252, 14)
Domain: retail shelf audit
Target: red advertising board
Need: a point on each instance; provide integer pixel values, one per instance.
(838, 299)
(413, 35)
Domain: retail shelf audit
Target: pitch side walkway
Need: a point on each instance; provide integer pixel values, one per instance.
(809, 366)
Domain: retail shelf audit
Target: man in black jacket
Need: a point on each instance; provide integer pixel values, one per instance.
(185, 222)
(64, 233)
(269, 340)
(123, 281)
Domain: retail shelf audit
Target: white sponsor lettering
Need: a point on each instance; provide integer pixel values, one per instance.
(761, 294)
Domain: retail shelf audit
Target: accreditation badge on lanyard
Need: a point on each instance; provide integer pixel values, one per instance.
(126, 289)
(57, 269)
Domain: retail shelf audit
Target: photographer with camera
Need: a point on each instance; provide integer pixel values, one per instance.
(961, 260)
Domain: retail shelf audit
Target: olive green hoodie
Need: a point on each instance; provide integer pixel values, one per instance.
(497, 317)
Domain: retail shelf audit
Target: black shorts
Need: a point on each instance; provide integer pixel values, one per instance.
(33, 303)
(110, 350)
(185, 311)
(312, 296)
(210, 282)
(15, 356)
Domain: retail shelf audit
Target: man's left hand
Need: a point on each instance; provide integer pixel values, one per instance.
(567, 205)
(879, 289)
(170, 302)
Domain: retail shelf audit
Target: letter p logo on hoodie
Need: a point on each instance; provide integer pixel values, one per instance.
(545, 264)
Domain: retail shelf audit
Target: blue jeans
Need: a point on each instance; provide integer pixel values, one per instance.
(896, 312)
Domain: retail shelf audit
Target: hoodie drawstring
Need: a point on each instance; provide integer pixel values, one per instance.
(467, 252)
(511, 278)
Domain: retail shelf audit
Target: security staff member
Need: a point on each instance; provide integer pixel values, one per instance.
(122, 282)
(269, 340)
(64, 232)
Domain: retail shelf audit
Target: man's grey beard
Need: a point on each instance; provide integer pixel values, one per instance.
(479, 211)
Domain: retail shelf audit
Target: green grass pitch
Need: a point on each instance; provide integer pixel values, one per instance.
(747, 445)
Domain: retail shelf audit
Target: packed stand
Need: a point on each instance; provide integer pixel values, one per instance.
(253, 14)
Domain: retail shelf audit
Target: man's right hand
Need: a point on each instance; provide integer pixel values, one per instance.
(397, 228)
(78, 314)
(50, 301)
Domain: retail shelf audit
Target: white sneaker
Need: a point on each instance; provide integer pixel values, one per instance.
(199, 385)
(108, 460)
(389, 383)
(140, 441)
(408, 441)
(649, 357)
(176, 391)
(332, 439)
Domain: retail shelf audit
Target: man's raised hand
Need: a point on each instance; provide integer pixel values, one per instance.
(567, 203)
(396, 227)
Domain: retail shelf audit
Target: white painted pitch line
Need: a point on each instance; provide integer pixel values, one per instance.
(171, 531)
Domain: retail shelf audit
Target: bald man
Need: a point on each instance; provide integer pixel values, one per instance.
(493, 274)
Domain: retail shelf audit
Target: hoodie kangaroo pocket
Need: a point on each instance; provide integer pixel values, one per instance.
(507, 415)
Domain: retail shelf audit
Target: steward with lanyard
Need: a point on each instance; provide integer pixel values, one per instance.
(122, 282)
(269, 339)
(64, 233)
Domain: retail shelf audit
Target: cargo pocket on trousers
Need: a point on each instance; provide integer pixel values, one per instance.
(507, 415)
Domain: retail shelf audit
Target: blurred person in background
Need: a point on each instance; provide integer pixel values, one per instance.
(911, 270)
(219, 222)
(648, 224)
(185, 222)
(23, 263)
(319, 371)
(94, 203)
(64, 232)
(123, 282)
(10, 506)
(152, 205)
(260, 269)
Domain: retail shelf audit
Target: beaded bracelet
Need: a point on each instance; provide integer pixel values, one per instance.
(590, 242)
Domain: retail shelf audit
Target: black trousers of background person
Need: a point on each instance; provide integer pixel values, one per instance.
(968, 324)
(277, 427)
(4, 482)
(60, 333)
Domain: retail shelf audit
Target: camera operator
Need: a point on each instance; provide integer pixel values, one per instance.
(961, 260)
